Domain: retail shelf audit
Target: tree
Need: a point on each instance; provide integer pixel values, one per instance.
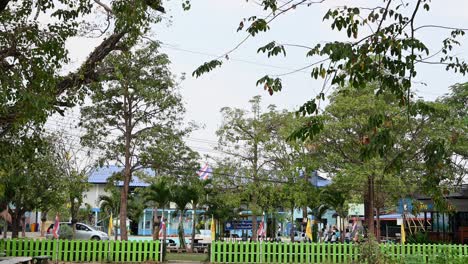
(392, 149)
(76, 170)
(336, 199)
(383, 45)
(33, 51)
(32, 177)
(182, 195)
(157, 195)
(243, 137)
(135, 120)
(110, 204)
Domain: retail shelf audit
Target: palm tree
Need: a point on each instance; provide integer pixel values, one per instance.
(182, 195)
(336, 200)
(318, 211)
(111, 205)
(158, 194)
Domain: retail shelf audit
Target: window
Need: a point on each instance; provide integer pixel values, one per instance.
(81, 227)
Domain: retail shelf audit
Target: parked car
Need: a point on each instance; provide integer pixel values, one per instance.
(170, 242)
(83, 231)
(299, 236)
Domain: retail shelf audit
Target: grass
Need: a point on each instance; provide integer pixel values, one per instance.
(187, 256)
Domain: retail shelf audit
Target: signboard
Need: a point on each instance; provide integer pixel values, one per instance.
(409, 205)
(239, 225)
(355, 209)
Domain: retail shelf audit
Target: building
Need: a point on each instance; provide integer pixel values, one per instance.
(447, 227)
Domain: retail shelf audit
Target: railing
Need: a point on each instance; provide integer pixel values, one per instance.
(272, 252)
(83, 250)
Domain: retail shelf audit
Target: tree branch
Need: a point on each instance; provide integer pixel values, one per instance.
(3, 5)
(86, 73)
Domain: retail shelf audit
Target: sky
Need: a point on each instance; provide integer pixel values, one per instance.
(208, 30)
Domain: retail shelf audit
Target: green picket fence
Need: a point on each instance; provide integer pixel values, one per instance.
(272, 252)
(83, 250)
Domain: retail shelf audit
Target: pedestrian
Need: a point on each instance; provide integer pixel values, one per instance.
(347, 236)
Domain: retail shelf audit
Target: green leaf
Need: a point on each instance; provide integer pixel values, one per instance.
(206, 67)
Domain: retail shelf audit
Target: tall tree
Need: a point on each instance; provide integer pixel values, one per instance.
(243, 137)
(136, 116)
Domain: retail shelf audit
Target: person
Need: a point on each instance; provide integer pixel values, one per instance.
(333, 237)
(356, 238)
(324, 235)
(347, 236)
(338, 234)
(330, 234)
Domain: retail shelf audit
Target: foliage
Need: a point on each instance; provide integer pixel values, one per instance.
(157, 195)
(418, 238)
(370, 252)
(66, 232)
(136, 119)
(388, 55)
(182, 195)
(32, 177)
(33, 51)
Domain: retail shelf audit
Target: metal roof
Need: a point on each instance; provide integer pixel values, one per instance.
(100, 176)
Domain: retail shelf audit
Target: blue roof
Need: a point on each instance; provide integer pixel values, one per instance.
(100, 175)
(318, 181)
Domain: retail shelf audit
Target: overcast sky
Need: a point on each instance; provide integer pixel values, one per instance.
(209, 30)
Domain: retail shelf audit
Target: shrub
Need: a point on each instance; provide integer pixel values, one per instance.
(371, 253)
(66, 232)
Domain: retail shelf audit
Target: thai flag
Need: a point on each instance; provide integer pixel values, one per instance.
(205, 172)
(56, 229)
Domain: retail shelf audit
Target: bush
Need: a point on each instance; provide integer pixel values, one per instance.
(371, 253)
(66, 232)
(418, 238)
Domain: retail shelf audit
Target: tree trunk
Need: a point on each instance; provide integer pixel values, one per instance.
(343, 229)
(377, 212)
(123, 205)
(369, 209)
(180, 231)
(194, 222)
(164, 236)
(43, 223)
(292, 225)
(127, 169)
(23, 226)
(254, 218)
(156, 224)
(15, 223)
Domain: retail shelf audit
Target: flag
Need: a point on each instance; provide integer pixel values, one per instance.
(6, 215)
(163, 226)
(261, 229)
(309, 229)
(402, 231)
(213, 229)
(111, 226)
(56, 229)
(205, 172)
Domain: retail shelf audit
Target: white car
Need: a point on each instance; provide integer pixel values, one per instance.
(299, 236)
(83, 231)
